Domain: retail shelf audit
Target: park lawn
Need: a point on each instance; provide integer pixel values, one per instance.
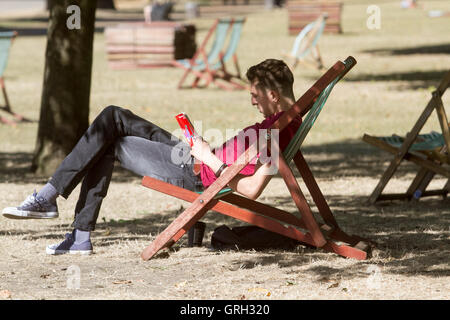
(398, 67)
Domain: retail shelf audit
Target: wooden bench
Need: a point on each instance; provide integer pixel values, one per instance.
(149, 45)
(302, 12)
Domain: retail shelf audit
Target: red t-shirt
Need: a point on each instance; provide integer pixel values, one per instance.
(234, 147)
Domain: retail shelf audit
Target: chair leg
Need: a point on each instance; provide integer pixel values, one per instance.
(295, 63)
(7, 106)
(206, 76)
(314, 190)
(419, 184)
(195, 82)
(183, 78)
(6, 121)
(318, 57)
(236, 65)
(301, 203)
(175, 230)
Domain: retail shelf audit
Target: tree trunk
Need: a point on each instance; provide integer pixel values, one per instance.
(105, 4)
(64, 113)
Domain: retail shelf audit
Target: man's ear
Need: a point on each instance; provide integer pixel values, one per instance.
(274, 96)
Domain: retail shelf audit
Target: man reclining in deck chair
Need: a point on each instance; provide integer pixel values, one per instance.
(148, 150)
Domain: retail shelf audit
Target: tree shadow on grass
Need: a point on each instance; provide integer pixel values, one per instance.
(40, 23)
(443, 48)
(35, 31)
(425, 76)
(327, 161)
(416, 79)
(15, 167)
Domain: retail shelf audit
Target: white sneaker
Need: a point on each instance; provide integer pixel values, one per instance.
(69, 246)
(32, 208)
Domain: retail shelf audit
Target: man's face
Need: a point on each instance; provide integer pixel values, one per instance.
(261, 99)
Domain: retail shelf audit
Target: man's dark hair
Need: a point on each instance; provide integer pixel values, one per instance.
(274, 75)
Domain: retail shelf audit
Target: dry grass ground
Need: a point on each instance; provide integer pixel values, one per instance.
(398, 67)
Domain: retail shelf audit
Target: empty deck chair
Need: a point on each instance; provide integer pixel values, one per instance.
(305, 48)
(431, 152)
(210, 66)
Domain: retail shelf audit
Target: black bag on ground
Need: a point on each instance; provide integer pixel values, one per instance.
(249, 237)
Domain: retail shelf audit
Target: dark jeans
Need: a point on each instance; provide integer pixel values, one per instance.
(139, 145)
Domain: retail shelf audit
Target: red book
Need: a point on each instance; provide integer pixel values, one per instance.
(186, 126)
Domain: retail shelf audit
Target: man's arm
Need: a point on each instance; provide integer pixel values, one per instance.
(249, 186)
(252, 186)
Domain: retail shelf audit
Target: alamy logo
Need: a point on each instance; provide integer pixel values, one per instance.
(373, 22)
(74, 20)
(375, 279)
(234, 145)
(73, 274)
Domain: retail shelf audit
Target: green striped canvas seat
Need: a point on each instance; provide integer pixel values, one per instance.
(298, 49)
(5, 44)
(424, 142)
(213, 55)
(233, 42)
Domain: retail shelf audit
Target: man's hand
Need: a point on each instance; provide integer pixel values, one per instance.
(200, 149)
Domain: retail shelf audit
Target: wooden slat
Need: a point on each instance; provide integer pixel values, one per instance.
(121, 65)
(300, 13)
(147, 45)
(111, 49)
(302, 22)
(329, 29)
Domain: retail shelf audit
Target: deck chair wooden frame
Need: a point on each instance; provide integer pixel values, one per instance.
(210, 66)
(6, 40)
(306, 44)
(431, 162)
(306, 228)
